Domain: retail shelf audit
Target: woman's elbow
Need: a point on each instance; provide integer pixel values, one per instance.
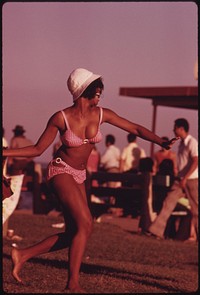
(38, 151)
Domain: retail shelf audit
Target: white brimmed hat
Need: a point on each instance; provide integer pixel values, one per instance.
(79, 80)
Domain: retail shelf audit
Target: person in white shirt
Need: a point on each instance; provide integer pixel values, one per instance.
(131, 155)
(187, 183)
(110, 159)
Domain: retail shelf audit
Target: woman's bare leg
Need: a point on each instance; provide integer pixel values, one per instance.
(20, 256)
(79, 225)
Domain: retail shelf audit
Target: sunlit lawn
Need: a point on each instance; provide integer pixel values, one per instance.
(115, 261)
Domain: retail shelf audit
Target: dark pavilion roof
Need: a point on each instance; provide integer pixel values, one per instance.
(175, 96)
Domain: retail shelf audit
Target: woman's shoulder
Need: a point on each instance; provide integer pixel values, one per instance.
(108, 113)
(65, 110)
(107, 110)
(58, 114)
(57, 119)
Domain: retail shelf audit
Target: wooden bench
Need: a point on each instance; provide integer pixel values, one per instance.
(134, 193)
(134, 188)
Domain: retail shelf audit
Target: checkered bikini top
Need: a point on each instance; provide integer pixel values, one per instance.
(70, 139)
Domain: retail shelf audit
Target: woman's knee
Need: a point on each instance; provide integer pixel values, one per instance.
(86, 224)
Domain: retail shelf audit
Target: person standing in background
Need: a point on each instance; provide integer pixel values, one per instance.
(163, 154)
(92, 166)
(17, 165)
(110, 160)
(131, 155)
(186, 182)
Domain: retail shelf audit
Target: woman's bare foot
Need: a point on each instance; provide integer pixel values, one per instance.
(77, 291)
(17, 264)
(74, 289)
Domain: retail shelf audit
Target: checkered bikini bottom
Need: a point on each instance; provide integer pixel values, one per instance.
(58, 166)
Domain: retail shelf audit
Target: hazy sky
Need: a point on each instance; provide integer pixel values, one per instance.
(131, 44)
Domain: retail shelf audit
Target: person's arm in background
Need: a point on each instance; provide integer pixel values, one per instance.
(192, 168)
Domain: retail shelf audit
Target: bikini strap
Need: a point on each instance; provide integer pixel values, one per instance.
(65, 118)
(101, 115)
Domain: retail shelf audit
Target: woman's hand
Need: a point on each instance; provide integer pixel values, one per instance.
(168, 144)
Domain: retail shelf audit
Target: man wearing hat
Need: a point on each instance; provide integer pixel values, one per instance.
(19, 140)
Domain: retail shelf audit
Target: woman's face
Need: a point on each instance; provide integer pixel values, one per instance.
(96, 98)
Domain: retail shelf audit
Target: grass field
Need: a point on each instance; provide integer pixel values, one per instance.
(115, 261)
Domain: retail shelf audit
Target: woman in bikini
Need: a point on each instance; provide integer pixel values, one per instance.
(79, 129)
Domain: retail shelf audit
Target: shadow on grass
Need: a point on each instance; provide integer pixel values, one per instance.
(93, 269)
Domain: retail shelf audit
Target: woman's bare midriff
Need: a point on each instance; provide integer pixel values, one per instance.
(76, 157)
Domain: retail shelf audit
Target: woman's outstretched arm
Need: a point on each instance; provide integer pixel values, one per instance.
(139, 130)
(42, 144)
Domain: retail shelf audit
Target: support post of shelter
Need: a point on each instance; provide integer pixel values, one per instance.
(153, 127)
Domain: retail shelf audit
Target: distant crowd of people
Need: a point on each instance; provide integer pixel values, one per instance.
(132, 158)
